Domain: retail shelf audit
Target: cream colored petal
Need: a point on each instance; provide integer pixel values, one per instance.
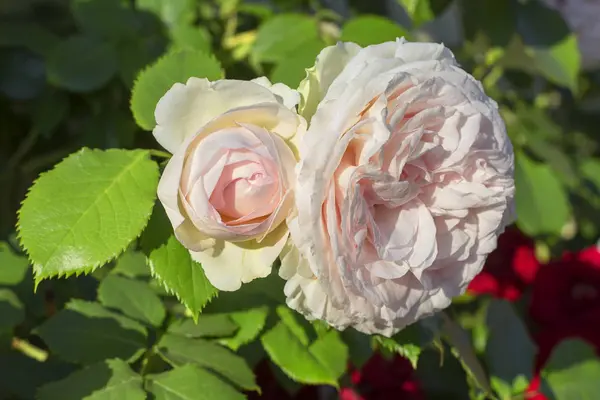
(286, 96)
(227, 265)
(185, 109)
(330, 62)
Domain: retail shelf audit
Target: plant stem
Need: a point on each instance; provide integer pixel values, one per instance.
(159, 153)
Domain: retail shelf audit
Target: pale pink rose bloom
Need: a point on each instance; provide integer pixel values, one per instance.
(404, 184)
(583, 18)
(228, 188)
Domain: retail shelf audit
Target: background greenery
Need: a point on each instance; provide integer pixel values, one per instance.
(88, 73)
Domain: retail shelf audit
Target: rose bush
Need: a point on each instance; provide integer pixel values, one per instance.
(228, 187)
(404, 184)
(113, 285)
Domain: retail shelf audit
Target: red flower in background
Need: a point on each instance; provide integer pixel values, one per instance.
(566, 304)
(383, 379)
(509, 269)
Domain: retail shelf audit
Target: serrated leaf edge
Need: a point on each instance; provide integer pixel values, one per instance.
(172, 291)
(84, 270)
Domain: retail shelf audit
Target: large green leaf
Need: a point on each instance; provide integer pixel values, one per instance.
(82, 64)
(190, 383)
(215, 325)
(154, 81)
(11, 309)
(86, 332)
(572, 372)
(107, 380)
(134, 298)
(510, 352)
(250, 322)
(371, 29)
(322, 362)
(179, 350)
(12, 266)
(280, 37)
(86, 210)
(536, 183)
(173, 266)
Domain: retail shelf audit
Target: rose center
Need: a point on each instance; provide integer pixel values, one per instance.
(246, 188)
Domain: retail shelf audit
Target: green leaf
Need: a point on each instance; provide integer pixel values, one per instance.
(371, 29)
(215, 325)
(82, 64)
(132, 264)
(323, 362)
(549, 42)
(134, 298)
(490, 21)
(359, 346)
(179, 350)
(572, 372)
(589, 168)
(86, 210)
(250, 322)
(11, 309)
(27, 34)
(85, 332)
(158, 231)
(13, 267)
(441, 376)
(154, 81)
(187, 37)
(536, 183)
(108, 18)
(279, 37)
(173, 266)
(289, 319)
(408, 350)
(171, 12)
(331, 352)
(410, 340)
(108, 380)
(21, 375)
(510, 351)
(462, 347)
(292, 69)
(421, 11)
(190, 383)
(559, 63)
